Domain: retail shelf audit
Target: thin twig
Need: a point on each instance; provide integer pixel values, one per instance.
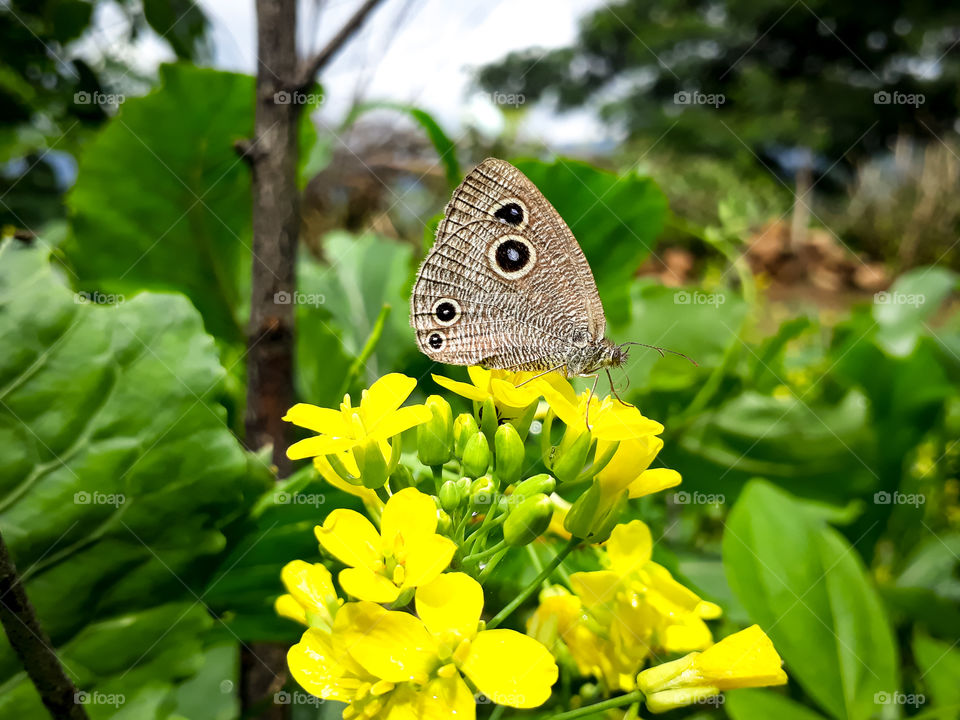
(311, 66)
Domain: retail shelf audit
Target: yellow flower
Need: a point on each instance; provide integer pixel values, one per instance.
(378, 419)
(432, 654)
(744, 659)
(501, 387)
(610, 419)
(639, 602)
(311, 598)
(406, 553)
(561, 615)
(371, 501)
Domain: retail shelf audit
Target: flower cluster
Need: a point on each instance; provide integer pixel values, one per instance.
(406, 635)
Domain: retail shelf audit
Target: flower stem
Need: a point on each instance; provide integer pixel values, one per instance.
(437, 477)
(534, 584)
(620, 701)
(368, 347)
(493, 550)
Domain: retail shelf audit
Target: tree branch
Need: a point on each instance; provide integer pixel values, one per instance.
(32, 645)
(311, 66)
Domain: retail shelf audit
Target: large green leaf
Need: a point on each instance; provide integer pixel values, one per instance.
(912, 301)
(756, 704)
(118, 475)
(162, 200)
(939, 664)
(805, 585)
(615, 218)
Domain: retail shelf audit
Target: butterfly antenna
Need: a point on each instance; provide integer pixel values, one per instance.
(662, 351)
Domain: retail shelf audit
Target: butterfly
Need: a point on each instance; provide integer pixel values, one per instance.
(507, 286)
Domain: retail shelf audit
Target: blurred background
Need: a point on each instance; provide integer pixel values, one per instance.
(771, 188)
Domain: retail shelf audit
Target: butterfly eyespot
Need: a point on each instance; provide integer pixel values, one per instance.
(446, 311)
(435, 340)
(512, 256)
(511, 213)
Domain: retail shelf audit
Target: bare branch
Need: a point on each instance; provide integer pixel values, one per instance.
(311, 66)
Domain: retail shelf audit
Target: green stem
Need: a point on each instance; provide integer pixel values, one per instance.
(497, 712)
(534, 584)
(628, 699)
(368, 347)
(492, 550)
(494, 561)
(437, 477)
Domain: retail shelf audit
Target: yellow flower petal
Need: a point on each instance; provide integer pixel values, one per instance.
(596, 588)
(462, 389)
(744, 659)
(444, 698)
(314, 665)
(451, 602)
(409, 516)
(351, 538)
(398, 421)
(617, 421)
(510, 668)
(652, 481)
(391, 645)
(319, 419)
(319, 445)
(365, 584)
(286, 606)
(630, 547)
(631, 459)
(384, 397)
(506, 393)
(369, 497)
(311, 586)
(426, 559)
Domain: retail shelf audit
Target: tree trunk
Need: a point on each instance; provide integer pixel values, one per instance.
(33, 647)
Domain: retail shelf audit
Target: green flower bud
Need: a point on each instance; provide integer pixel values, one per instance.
(541, 483)
(435, 437)
(444, 523)
(488, 419)
(450, 496)
(402, 478)
(476, 456)
(592, 516)
(571, 455)
(483, 493)
(508, 455)
(528, 521)
(463, 484)
(464, 428)
(370, 461)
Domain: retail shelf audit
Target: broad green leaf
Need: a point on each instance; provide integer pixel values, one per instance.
(805, 585)
(912, 300)
(754, 704)
(162, 199)
(118, 475)
(939, 664)
(615, 218)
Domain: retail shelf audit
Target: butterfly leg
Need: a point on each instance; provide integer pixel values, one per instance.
(545, 372)
(613, 389)
(593, 392)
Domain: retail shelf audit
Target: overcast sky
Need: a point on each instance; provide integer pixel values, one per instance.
(421, 52)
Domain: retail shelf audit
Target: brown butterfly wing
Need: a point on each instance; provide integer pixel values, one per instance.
(506, 284)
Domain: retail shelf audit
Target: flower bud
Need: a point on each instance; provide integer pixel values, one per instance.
(401, 478)
(444, 523)
(435, 437)
(483, 492)
(370, 461)
(528, 521)
(476, 456)
(594, 515)
(571, 455)
(450, 496)
(508, 455)
(541, 483)
(464, 428)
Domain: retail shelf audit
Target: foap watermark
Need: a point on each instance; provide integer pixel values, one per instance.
(298, 298)
(698, 498)
(886, 97)
(899, 698)
(95, 697)
(711, 700)
(882, 497)
(98, 98)
(685, 297)
(82, 497)
(508, 99)
(695, 97)
(98, 298)
(286, 498)
(286, 97)
(296, 698)
(898, 298)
